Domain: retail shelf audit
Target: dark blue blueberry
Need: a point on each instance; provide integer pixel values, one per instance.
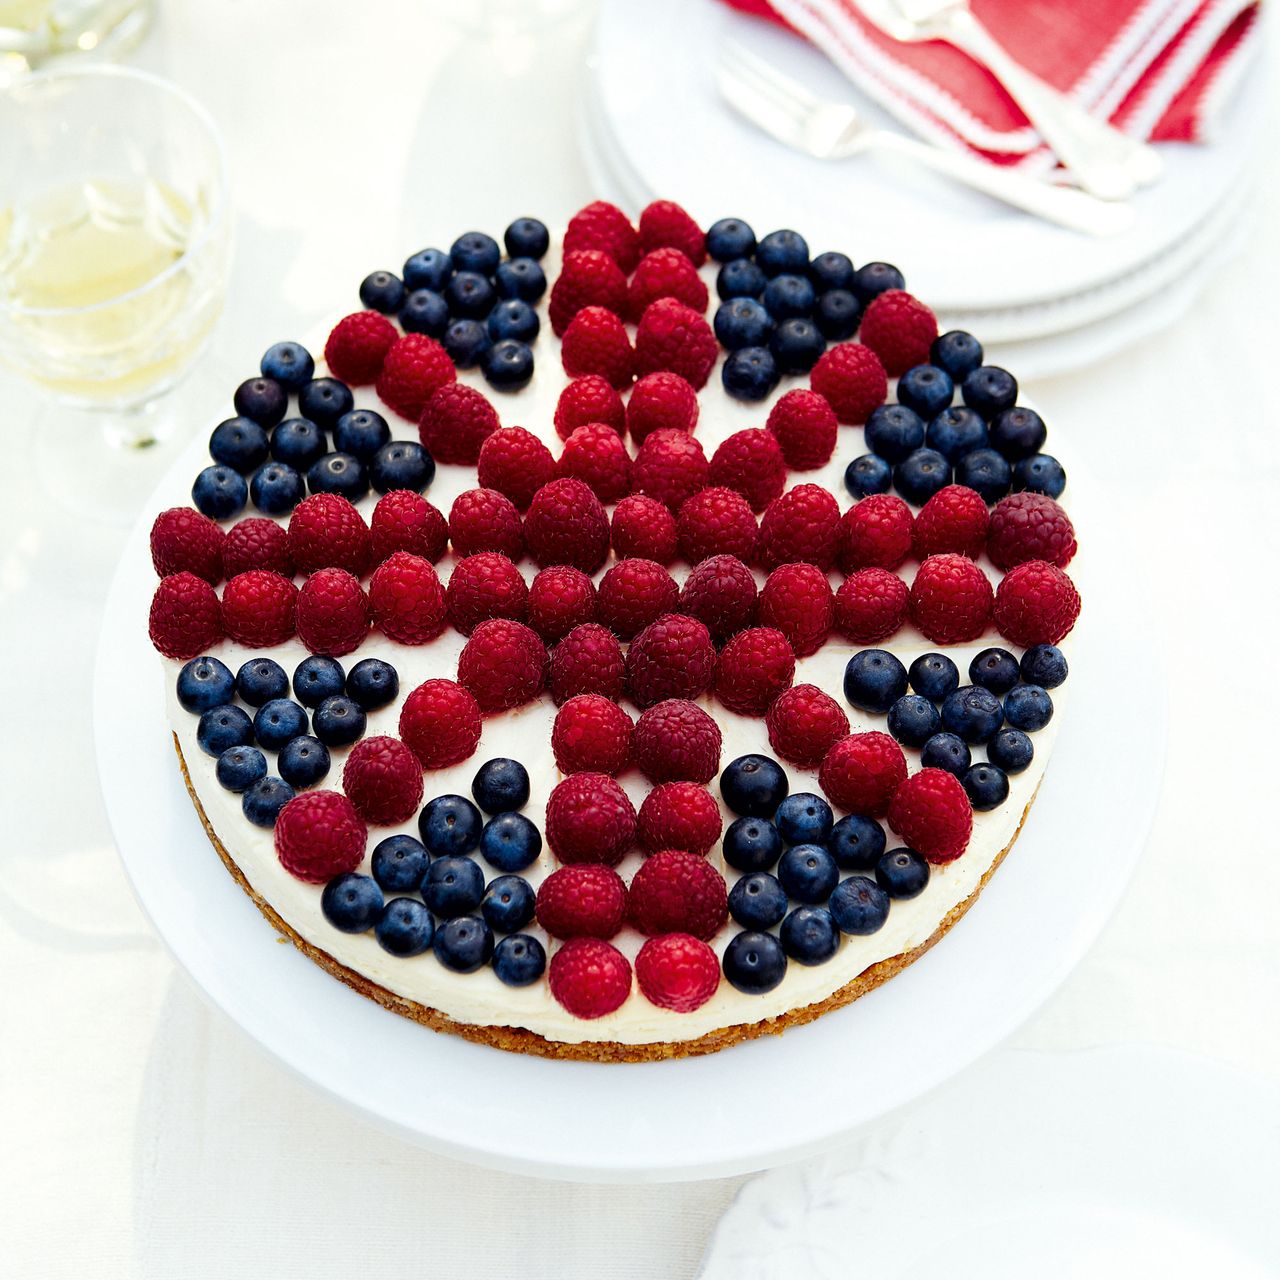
(338, 721)
(808, 873)
(508, 365)
(510, 842)
(958, 352)
(856, 842)
(501, 785)
(204, 683)
(831, 270)
(463, 944)
(740, 279)
(925, 389)
(809, 935)
(920, 475)
(405, 927)
(837, 313)
(261, 679)
(730, 239)
(902, 873)
(972, 713)
(1045, 665)
(453, 886)
(859, 906)
(304, 761)
(317, 678)
(754, 963)
(239, 443)
(513, 319)
(797, 345)
(758, 901)
(219, 492)
(874, 680)
(987, 786)
(1028, 707)
(428, 269)
(894, 431)
(277, 722)
(223, 727)
(1010, 750)
(783, 251)
(470, 296)
(361, 433)
(752, 844)
(451, 825)
(1018, 433)
(508, 904)
(400, 864)
(402, 464)
(519, 960)
(995, 669)
(804, 818)
(754, 786)
(750, 374)
(874, 278)
(986, 472)
(338, 473)
(868, 474)
(788, 297)
(276, 488)
(990, 390)
(933, 676)
(298, 442)
(742, 322)
(239, 768)
(946, 751)
(425, 311)
(324, 401)
(382, 291)
(352, 903)
(520, 278)
(262, 803)
(466, 341)
(913, 720)
(526, 238)
(288, 363)
(372, 683)
(955, 432)
(475, 251)
(1040, 473)
(263, 400)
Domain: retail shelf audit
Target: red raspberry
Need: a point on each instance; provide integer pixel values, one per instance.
(805, 426)
(677, 741)
(590, 819)
(644, 528)
(406, 521)
(802, 526)
(589, 399)
(588, 660)
(259, 609)
(596, 342)
(678, 892)
(860, 773)
(485, 520)
(721, 594)
(675, 337)
(954, 519)
(333, 612)
(716, 521)
(407, 599)
(383, 779)
(899, 329)
(601, 225)
(931, 812)
(679, 815)
(515, 462)
(440, 723)
(319, 835)
(950, 599)
(185, 616)
(661, 400)
(589, 977)
(357, 346)
(588, 278)
(871, 605)
(678, 972)
(803, 723)
(582, 901)
(875, 534)
(750, 462)
(503, 664)
(326, 531)
(669, 466)
(560, 598)
(454, 421)
(591, 734)
(414, 369)
(184, 541)
(852, 379)
(797, 599)
(664, 223)
(484, 586)
(665, 273)
(257, 543)
(754, 668)
(567, 525)
(1030, 526)
(596, 455)
(673, 657)
(633, 593)
(1036, 604)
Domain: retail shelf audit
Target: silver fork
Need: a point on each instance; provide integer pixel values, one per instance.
(787, 111)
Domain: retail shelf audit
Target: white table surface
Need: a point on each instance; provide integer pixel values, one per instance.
(142, 1136)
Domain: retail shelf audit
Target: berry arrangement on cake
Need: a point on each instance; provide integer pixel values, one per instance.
(574, 673)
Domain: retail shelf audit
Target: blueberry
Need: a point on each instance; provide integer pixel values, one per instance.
(475, 251)
(985, 471)
(240, 767)
(453, 886)
(276, 488)
(513, 319)
(1010, 750)
(400, 864)
(874, 680)
(238, 443)
(519, 960)
(894, 431)
(324, 401)
(508, 365)
(470, 296)
(831, 271)
(987, 786)
(428, 269)
(520, 278)
(809, 935)
(972, 713)
(729, 239)
(1044, 664)
(425, 311)
(352, 903)
(338, 721)
(261, 679)
(925, 389)
(298, 442)
(508, 904)
(837, 314)
(304, 761)
(788, 297)
(361, 433)
(1018, 433)
(405, 927)
(740, 279)
(1040, 473)
(463, 944)
(754, 963)
(868, 474)
(797, 345)
(742, 322)
(994, 669)
(466, 341)
(204, 683)
(933, 676)
(510, 842)
(317, 678)
(501, 785)
(450, 825)
(382, 291)
(958, 352)
(990, 390)
(750, 374)
(754, 786)
(856, 842)
(277, 722)
(263, 400)
(220, 492)
(859, 906)
(757, 901)
(873, 278)
(913, 720)
(402, 464)
(223, 727)
(1028, 707)
(946, 751)
(782, 251)
(956, 432)
(288, 363)
(804, 818)
(920, 475)
(902, 873)
(372, 683)
(338, 473)
(808, 873)
(752, 844)
(262, 803)
(526, 238)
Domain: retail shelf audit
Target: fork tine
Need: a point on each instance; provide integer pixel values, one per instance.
(761, 90)
(758, 69)
(744, 96)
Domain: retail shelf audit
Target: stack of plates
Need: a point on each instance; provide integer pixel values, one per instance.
(1041, 298)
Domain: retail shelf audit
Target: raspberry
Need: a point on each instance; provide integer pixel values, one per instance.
(184, 541)
(661, 400)
(485, 520)
(669, 466)
(678, 972)
(1036, 604)
(567, 525)
(673, 657)
(721, 594)
(407, 599)
(516, 463)
(805, 426)
(803, 723)
(582, 901)
(860, 773)
(601, 225)
(675, 337)
(1030, 526)
(357, 346)
(678, 892)
(797, 599)
(677, 741)
(454, 422)
(679, 815)
(591, 734)
(589, 399)
(596, 341)
(875, 534)
(326, 531)
(802, 526)
(931, 812)
(716, 521)
(665, 224)
(589, 977)
(383, 779)
(415, 368)
(954, 519)
(899, 329)
(590, 819)
(852, 379)
(503, 664)
(596, 455)
(319, 835)
(440, 723)
(587, 279)
(665, 273)
(486, 585)
(333, 612)
(259, 609)
(753, 669)
(750, 462)
(257, 543)
(644, 528)
(406, 521)
(632, 594)
(950, 599)
(588, 660)
(871, 605)
(185, 616)
(560, 598)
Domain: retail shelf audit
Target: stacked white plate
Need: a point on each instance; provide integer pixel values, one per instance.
(1041, 298)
